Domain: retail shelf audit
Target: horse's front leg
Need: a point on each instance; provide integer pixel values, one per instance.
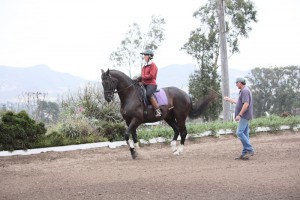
(133, 145)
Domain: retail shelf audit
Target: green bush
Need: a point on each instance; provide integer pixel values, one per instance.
(19, 131)
(56, 139)
(79, 129)
(149, 132)
(51, 140)
(112, 131)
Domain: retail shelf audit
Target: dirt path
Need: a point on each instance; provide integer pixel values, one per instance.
(207, 170)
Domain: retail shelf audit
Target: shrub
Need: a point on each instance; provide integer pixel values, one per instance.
(19, 131)
(149, 132)
(75, 126)
(112, 131)
(51, 140)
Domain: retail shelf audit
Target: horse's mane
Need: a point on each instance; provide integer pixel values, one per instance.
(119, 73)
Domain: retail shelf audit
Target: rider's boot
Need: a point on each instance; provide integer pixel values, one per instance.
(155, 106)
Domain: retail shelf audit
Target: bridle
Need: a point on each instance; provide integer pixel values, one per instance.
(112, 85)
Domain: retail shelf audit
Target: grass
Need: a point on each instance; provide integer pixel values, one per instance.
(273, 122)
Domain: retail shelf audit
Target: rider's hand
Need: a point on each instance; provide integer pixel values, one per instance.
(139, 79)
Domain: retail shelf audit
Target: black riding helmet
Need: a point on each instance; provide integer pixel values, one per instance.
(148, 52)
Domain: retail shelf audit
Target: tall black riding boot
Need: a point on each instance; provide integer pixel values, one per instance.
(155, 106)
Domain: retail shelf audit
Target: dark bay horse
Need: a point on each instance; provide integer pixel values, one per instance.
(179, 107)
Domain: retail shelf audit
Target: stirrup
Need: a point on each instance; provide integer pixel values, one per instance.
(157, 113)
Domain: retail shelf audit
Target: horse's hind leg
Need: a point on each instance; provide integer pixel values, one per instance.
(172, 122)
(183, 134)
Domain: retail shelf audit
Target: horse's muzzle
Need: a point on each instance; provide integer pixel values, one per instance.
(109, 97)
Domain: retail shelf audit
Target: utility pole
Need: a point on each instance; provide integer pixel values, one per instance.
(224, 60)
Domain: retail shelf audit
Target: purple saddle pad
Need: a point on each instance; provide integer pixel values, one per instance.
(161, 97)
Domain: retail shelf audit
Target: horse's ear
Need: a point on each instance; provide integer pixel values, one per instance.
(107, 72)
(102, 71)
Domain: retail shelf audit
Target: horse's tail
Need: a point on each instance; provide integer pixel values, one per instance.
(200, 106)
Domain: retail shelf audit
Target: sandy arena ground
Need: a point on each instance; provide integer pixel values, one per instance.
(206, 170)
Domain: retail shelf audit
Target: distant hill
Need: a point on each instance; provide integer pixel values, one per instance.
(175, 75)
(178, 76)
(15, 81)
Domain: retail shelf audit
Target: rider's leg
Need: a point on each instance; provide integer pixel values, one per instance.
(150, 89)
(155, 106)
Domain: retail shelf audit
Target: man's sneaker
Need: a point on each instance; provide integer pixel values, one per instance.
(246, 156)
(250, 153)
(242, 157)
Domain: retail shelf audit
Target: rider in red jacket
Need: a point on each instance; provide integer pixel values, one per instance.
(148, 78)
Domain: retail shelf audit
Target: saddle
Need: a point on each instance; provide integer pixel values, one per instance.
(159, 94)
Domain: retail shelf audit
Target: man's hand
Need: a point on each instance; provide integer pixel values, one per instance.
(226, 98)
(237, 118)
(229, 100)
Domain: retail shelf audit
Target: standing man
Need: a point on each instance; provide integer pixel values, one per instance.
(243, 114)
(148, 78)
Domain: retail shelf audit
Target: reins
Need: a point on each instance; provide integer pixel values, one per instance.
(117, 91)
(113, 90)
(215, 91)
(136, 90)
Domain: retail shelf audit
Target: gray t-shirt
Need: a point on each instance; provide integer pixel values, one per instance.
(245, 95)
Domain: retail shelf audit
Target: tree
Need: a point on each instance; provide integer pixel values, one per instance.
(127, 54)
(34, 103)
(275, 90)
(203, 43)
(48, 111)
(198, 90)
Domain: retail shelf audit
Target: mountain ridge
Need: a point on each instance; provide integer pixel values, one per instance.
(39, 78)
(178, 76)
(15, 81)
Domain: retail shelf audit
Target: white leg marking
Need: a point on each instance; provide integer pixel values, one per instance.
(173, 146)
(136, 146)
(130, 144)
(179, 150)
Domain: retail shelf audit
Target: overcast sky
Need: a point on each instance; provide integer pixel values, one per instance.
(77, 36)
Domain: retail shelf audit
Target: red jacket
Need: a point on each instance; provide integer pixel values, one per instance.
(149, 73)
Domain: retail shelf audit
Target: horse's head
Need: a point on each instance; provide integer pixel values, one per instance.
(109, 85)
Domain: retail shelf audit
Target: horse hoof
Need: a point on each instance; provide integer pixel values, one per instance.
(133, 153)
(176, 153)
(179, 150)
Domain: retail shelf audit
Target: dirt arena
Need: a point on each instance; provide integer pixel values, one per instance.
(206, 170)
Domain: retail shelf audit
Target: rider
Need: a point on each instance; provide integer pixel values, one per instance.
(148, 78)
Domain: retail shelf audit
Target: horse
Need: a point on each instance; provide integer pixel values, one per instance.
(177, 108)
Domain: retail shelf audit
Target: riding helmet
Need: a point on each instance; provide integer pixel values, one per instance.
(148, 52)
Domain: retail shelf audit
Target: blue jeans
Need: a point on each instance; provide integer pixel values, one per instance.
(242, 132)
